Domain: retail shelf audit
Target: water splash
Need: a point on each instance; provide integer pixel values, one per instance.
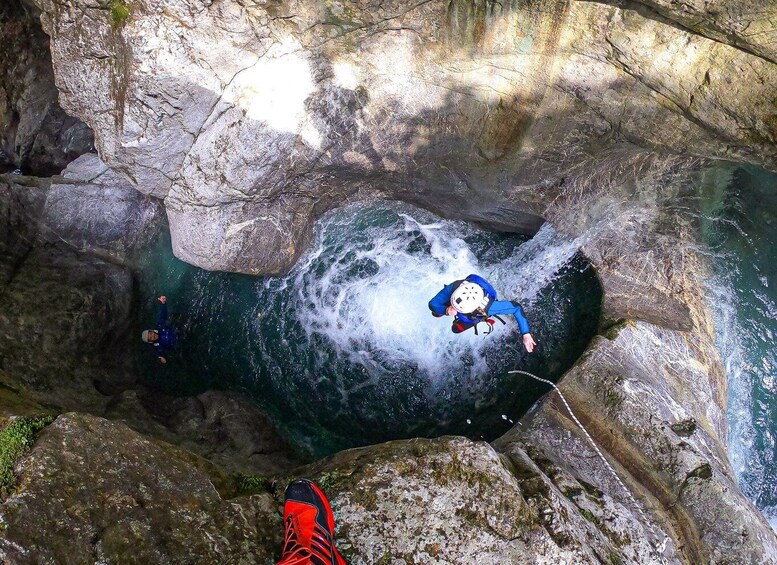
(344, 348)
(369, 298)
(739, 227)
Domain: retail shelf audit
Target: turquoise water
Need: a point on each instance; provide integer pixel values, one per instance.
(740, 225)
(343, 351)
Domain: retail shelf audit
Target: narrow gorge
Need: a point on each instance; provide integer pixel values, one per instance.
(299, 178)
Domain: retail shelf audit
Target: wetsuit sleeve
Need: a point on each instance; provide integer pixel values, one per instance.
(508, 307)
(162, 321)
(439, 304)
(160, 350)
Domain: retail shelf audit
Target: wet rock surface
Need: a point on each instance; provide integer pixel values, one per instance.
(651, 389)
(67, 293)
(225, 428)
(67, 310)
(62, 319)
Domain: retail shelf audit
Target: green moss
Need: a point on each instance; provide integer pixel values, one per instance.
(252, 484)
(593, 491)
(611, 398)
(612, 332)
(589, 516)
(613, 558)
(703, 471)
(572, 493)
(119, 13)
(684, 428)
(15, 441)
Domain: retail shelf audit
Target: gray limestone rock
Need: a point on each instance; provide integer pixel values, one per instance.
(451, 500)
(223, 427)
(21, 206)
(747, 24)
(92, 208)
(66, 301)
(63, 321)
(253, 119)
(640, 383)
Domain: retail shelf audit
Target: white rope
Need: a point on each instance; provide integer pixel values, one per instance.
(659, 550)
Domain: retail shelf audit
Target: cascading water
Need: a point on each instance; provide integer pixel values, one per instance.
(740, 225)
(344, 351)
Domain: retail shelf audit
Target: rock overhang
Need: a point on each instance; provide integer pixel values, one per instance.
(251, 130)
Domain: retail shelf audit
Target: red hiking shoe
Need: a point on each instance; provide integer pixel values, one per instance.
(310, 527)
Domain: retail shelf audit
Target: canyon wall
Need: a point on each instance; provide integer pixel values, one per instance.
(249, 120)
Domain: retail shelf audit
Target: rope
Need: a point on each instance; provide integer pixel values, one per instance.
(657, 551)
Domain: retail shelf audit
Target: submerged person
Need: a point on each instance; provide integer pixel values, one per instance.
(163, 337)
(310, 527)
(472, 301)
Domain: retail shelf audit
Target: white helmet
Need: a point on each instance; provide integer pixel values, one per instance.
(468, 297)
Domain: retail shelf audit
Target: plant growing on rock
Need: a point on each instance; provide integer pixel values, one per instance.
(15, 441)
(119, 13)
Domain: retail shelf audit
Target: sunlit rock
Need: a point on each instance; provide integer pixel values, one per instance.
(248, 118)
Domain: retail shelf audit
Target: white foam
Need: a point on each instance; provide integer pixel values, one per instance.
(741, 433)
(535, 265)
(382, 320)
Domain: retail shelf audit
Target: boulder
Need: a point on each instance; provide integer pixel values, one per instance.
(225, 428)
(93, 209)
(142, 503)
(452, 500)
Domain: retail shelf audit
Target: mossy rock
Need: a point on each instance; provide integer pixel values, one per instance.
(16, 439)
(120, 13)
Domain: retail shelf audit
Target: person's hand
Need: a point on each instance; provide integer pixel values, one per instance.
(450, 311)
(162, 360)
(529, 343)
(162, 299)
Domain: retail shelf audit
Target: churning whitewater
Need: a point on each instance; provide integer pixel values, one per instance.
(739, 226)
(369, 298)
(345, 347)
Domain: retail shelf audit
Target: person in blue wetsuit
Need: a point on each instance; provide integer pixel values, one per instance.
(163, 337)
(473, 300)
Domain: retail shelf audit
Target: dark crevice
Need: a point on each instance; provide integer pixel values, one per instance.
(36, 135)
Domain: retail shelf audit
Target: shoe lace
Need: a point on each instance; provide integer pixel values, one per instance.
(294, 553)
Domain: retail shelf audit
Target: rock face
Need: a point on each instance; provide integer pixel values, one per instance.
(451, 500)
(36, 135)
(225, 428)
(252, 120)
(651, 390)
(62, 249)
(66, 309)
(93, 209)
(142, 504)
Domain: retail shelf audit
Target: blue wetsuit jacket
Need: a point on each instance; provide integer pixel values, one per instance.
(167, 336)
(439, 304)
